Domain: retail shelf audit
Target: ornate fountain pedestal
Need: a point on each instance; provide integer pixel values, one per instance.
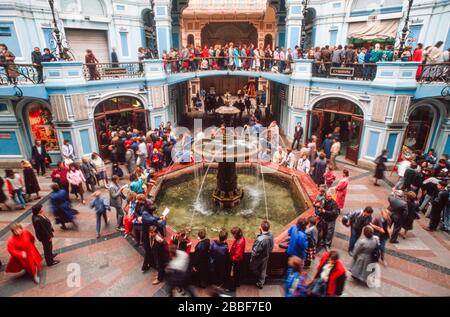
(227, 193)
(226, 149)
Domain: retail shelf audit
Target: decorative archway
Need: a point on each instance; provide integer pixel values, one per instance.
(220, 33)
(119, 112)
(191, 40)
(343, 119)
(38, 123)
(268, 40)
(422, 121)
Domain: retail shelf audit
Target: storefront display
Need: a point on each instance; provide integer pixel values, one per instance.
(40, 120)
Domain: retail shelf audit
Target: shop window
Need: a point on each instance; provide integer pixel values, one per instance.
(41, 126)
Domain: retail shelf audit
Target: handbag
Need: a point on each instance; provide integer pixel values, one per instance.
(376, 253)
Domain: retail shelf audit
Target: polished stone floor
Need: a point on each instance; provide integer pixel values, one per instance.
(418, 266)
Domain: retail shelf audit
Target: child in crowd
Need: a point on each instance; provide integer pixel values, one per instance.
(98, 204)
(181, 241)
(312, 234)
(320, 200)
(329, 177)
(295, 285)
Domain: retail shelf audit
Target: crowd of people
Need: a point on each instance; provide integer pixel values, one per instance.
(422, 186)
(231, 56)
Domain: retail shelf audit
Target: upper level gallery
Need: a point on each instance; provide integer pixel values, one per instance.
(391, 78)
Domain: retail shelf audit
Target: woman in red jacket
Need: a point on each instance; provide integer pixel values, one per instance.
(418, 57)
(24, 255)
(330, 277)
(59, 176)
(237, 256)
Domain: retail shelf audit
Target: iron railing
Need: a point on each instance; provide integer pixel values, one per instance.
(364, 71)
(113, 70)
(15, 74)
(438, 73)
(243, 63)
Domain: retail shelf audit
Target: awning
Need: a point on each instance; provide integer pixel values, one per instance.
(371, 30)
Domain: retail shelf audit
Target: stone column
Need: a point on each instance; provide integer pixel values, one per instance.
(163, 22)
(294, 19)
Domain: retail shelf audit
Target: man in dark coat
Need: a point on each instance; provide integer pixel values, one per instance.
(148, 219)
(357, 220)
(36, 59)
(200, 259)
(326, 145)
(320, 165)
(438, 205)
(328, 215)
(114, 58)
(44, 233)
(248, 104)
(158, 253)
(38, 155)
(61, 207)
(399, 209)
(298, 133)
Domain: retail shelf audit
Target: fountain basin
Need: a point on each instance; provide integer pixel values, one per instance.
(290, 196)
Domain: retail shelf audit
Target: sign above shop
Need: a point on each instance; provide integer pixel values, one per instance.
(342, 71)
(5, 136)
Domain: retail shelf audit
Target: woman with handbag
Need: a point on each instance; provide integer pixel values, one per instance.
(365, 253)
(330, 278)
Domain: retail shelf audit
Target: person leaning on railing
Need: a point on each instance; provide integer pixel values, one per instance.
(7, 61)
(91, 63)
(36, 59)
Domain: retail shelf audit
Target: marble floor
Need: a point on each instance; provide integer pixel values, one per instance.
(110, 266)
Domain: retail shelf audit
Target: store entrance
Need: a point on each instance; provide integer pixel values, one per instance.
(120, 113)
(342, 119)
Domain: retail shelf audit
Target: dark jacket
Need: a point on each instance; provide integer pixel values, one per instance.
(397, 206)
(410, 177)
(319, 169)
(3, 197)
(30, 180)
(61, 206)
(42, 228)
(298, 133)
(36, 58)
(159, 252)
(441, 200)
(332, 211)
(381, 167)
(200, 259)
(36, 156)
(220, 262)
(326, 146)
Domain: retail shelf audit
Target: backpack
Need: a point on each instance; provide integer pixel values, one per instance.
(376, 253)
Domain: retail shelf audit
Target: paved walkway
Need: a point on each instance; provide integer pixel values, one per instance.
(110, 266)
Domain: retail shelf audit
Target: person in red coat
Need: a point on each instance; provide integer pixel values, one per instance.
(59, 176)
(24, 255)
(341, 189)
(418, 57)
(237, 256)
(332, 272)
